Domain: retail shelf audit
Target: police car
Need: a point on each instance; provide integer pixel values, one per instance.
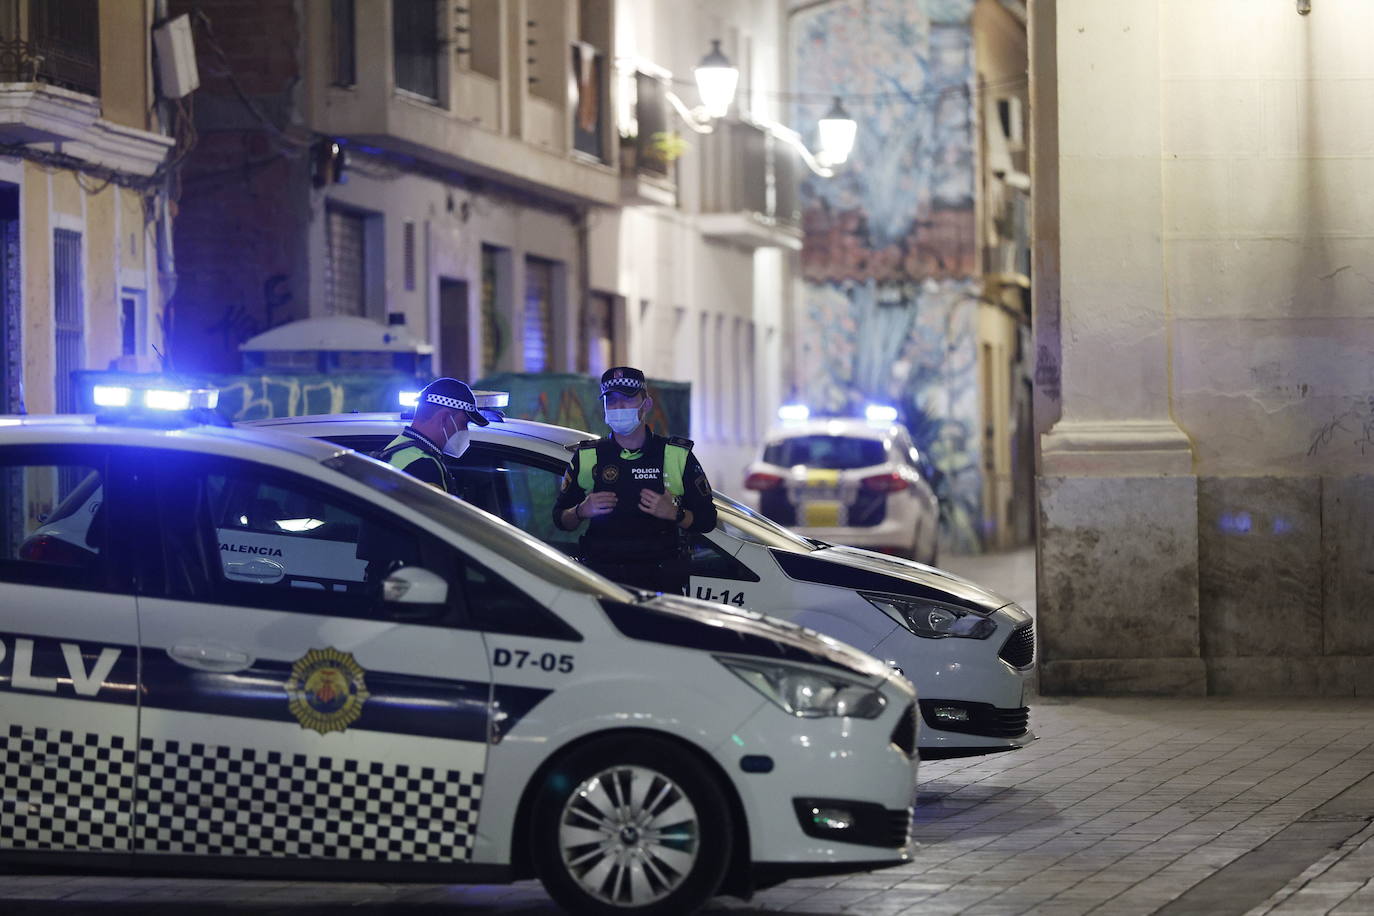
(186, 686)
(858, 481)
(970, 652)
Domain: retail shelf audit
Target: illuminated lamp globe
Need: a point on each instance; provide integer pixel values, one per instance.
(716, 81)
(837, 130)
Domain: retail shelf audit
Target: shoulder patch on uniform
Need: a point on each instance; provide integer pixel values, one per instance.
(703, 487)
(681, 441)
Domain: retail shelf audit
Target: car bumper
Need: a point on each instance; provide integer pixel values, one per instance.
(972, 699)
(849, 767)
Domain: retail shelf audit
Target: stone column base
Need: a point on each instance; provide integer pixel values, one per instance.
(1174, 677)
(1118, 586)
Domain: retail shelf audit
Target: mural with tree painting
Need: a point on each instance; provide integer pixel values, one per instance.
(889, 254)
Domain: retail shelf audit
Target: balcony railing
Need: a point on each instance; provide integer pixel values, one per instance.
(750, 171)
(646, 147)
(49, 61)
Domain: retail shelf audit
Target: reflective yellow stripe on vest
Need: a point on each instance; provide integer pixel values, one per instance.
(584, 469)
(674, 466)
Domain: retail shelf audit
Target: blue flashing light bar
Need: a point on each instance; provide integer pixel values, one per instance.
(110, 396)
(880, 413)
(408, 398)
(119, 397)
(794, 412)
(165, 399)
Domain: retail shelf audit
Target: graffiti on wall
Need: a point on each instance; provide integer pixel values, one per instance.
(889, 253)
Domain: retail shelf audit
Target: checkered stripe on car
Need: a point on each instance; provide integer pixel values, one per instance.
(216, 800)
(61, 790)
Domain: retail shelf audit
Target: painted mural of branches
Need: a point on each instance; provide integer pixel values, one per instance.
(889, 252)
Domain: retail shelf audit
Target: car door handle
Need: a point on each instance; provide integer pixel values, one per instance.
(210, 658)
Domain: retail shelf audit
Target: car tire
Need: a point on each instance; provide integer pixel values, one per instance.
(596, 854)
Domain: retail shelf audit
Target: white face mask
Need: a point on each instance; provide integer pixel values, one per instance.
(458, 442)
(622, 420)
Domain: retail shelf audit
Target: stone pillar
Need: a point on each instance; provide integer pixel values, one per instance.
(1118, 549)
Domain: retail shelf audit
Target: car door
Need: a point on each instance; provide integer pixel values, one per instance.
(290, 710)
(68, 653)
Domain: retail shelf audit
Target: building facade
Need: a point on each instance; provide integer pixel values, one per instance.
(84, 147)
(1204, 341)
(508, 179)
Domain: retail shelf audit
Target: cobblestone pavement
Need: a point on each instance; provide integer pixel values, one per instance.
(1123, 806)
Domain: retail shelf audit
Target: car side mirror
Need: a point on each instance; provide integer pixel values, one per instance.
(414, 585)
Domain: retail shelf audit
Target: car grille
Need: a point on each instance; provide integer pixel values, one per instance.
(904, 735)
(1019, 649)
(983, 719)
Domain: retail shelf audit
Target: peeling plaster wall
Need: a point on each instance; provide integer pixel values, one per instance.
(1269, 209)
(1246, 570)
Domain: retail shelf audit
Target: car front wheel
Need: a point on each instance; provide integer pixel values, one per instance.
(631, 825)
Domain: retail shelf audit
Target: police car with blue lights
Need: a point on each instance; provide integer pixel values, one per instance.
(970, 652)
(192, 682)
(851, 480)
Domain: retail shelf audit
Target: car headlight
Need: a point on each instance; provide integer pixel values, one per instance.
(932, 619)
(806, 693)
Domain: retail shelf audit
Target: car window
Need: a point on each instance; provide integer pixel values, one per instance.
(494, 534)
(497, 606)
(241, 533)
(828, 452)
(519, 487)
(709, 561)
(54, 525)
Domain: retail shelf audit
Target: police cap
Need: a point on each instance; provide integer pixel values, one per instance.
(449, 392)
(623, 379)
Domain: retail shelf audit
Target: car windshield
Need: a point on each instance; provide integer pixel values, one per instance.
(738, 520)
(487, 530)
(836, 453)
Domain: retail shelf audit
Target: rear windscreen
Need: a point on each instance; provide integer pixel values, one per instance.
(831, 452)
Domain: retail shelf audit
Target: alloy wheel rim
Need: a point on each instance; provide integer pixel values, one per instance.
(629, 835)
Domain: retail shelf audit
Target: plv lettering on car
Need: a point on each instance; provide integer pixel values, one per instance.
(520, 659)
(83, 682)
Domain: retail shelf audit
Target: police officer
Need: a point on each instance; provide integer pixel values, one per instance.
(638, 491)
(442, 414)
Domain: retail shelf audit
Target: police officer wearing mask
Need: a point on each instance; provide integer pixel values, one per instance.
(638, 491)
(440, 428)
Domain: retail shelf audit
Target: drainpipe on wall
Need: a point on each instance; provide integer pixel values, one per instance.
(584, 283)
(166, 254)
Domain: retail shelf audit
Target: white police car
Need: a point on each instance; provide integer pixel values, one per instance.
(969, 652)
(856, 481)
(186, 688)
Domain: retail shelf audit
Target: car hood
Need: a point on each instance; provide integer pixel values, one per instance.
(865, 570)
(692, 624)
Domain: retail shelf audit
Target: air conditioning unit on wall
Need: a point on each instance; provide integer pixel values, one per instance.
(177, 74)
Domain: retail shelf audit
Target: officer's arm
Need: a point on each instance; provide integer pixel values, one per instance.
(426, 471)
(570, 496)
(696, 498)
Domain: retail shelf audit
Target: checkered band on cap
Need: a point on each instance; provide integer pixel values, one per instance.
(445, 401)
(631, 383)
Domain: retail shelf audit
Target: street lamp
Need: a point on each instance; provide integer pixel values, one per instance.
(716, 81)
(837, 130)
